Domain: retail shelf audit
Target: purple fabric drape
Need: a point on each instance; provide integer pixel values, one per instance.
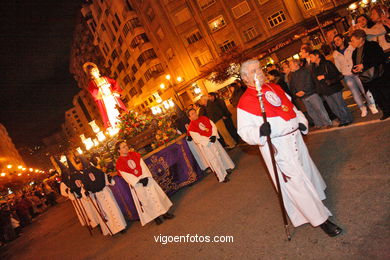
(174, 167)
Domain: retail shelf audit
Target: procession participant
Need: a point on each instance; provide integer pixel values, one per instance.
(302, 186)
(150, 200)
(95, 182)
(70, 189)
(204, 133)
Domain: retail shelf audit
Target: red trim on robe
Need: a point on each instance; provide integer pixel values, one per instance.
(249, 102)
(122, 164)
(205, 130)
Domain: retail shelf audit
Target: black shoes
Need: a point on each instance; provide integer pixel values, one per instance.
(226, 179)
(158, 221)
(229, 171)
(168, 216)
(331, 229)
(344, 124)
(385, 116)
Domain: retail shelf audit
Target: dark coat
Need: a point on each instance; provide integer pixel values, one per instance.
(217, 109)
(301, 80)
(372, 55)
(332, 82)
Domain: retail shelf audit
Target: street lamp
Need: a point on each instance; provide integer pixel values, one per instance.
(9, 166)
(162, 85)
(3, 174)
(179, 79)
(20, 167)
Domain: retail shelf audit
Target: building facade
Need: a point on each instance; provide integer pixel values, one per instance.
(160, 48)
(9, 155)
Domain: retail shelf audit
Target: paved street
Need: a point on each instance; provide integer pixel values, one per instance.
(353, 160)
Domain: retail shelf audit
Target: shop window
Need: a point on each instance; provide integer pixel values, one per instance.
(241, 9)
(276, 18)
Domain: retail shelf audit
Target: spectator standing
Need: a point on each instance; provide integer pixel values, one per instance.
(302, 85)
(343, 61)
(329, 86)
(369, 63)
(218, 113)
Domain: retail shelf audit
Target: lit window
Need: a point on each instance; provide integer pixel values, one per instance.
(241, 9)
(227, 45)
(203, 4)
(276, 19)
(217, 23)
(194, 37)
(250, 34)
(182, 16)
(308, 4)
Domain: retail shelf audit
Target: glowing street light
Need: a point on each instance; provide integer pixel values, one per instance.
(9, 166)
(168, 77)
(3, 174)
(31, 169)
(179, 79)
(36, 170)
(20, 167)
(24, 169)
(162, 85)
(19, 174)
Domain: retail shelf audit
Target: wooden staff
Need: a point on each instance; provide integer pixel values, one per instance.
(272, 152)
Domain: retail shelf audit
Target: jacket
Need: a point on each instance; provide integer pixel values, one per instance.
(301, 80)
(344, 61)
(331, 84)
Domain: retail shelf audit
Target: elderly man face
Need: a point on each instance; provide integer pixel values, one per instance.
(249, 70)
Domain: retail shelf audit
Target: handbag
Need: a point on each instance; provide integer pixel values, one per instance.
(372, 73)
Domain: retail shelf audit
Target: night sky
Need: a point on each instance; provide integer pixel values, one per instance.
(36, 87)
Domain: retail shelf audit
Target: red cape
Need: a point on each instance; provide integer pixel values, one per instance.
(130, 163)
(94, 90)
(201, 126)
(275, 102)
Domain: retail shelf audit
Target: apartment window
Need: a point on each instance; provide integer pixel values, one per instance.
(126, 79)
(114, 25)
(127, 54)
(134, 68)
(227, 45)
(150, 100)
(194, 37)
(128, 5)
(133, 92)
(115, 75)
(203, 4)
(170, 54)
(120, 40)
(182, 16)
(276, 18)
(140, 83)
(203, 58)
(114, 55)
(117, 19)
(150, 14)
(130, 25)
(160, 33)
(139, 40)
(146, 55)
(241, 9)
(308, 4)
(217, 23)
(154, 71)
(120, 67)
(250, 34)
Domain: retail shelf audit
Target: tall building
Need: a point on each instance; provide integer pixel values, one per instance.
(8, 153)
(143, 41)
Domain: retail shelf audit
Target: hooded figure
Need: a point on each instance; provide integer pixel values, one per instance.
(95, 181)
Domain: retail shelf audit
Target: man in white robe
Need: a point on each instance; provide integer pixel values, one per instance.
(150, 200)
(204, 134)
(301, 183)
